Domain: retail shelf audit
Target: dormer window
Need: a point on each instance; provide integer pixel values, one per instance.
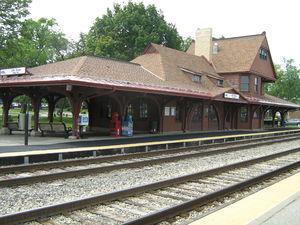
(220, 83)
(196, 78)
(263, 53)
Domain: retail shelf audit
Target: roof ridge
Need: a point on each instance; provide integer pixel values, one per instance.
(113, 59)
(78, 66)
(182, 52)
(162, 46)
(237, 37)
(162, 67)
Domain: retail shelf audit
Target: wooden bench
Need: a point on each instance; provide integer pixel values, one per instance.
(54, 128)
(12, 126)
(45, 128)
(60, 128)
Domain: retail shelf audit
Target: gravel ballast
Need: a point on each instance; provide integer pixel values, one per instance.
(42, 194)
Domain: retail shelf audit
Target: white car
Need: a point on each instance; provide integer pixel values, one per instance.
(293, 121)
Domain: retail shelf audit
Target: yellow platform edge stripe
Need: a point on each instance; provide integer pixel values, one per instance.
(257, 207)
(94, 148)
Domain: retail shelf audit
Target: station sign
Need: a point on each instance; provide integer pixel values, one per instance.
(231, 96)
(13, 71)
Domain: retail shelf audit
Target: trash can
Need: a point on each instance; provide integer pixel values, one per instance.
(153, 128)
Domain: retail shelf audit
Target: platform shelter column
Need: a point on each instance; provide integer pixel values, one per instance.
(36, 101)
(75, 102)
(7, 100)
(51, 107)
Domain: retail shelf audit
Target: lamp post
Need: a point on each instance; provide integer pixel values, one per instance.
(26, 126)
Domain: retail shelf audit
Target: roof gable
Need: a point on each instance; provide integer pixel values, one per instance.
(221, 96)
(241, 54)
(264, 67)
(172, 60)
(236, 54)
(172, 65)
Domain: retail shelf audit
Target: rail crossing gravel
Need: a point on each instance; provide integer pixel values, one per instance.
(41, 194)
(120, 211)
(202, 211)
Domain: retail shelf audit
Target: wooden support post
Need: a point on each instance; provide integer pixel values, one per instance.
(76, 102)
(36, 101)
(6, 106)
(51, 107)
(273, 118)
(7, 100)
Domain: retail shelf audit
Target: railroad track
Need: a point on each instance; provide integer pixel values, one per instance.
(155, 202)
(41, 172)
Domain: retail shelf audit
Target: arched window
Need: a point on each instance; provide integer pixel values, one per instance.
(143, 110)
(129, 110)
(244, 114)
(213, 121)
(197, 114)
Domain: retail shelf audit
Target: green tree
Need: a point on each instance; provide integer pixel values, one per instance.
(38, 42)
(77, 48)
(125, 31)
(186, 43)
(287, 85)
(11, 14)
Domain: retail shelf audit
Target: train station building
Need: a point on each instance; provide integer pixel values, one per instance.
(218, 84)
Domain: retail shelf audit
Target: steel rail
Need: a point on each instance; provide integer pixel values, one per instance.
(100, 169)
(171, 212)
(86, 202)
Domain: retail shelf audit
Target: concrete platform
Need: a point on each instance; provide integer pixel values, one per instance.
(278, 204)
(15, 142)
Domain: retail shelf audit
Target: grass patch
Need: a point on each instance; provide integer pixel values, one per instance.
(13, 117)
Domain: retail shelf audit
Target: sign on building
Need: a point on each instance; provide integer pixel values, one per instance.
(231, 96)
(13, 71)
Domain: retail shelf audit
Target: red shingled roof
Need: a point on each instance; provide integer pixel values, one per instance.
(159, 70)
(236, 54)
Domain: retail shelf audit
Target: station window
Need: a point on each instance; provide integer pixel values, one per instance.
(255, 115)
(197, 114)
(129, 110)
(244, 114)
(220, 82)
(244, 83)
(109, 110)
(143, 110)
(263, 53)
(256, 84)
(178, 114)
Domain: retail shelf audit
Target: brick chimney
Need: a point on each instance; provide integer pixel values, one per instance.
(203, 43)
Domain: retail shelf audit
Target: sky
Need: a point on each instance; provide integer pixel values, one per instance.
(280, 19)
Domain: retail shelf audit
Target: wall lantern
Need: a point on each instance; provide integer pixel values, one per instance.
(69, 87)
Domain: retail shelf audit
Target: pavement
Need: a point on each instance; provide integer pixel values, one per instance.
(289, 214)
(15, 142)
(278, 204)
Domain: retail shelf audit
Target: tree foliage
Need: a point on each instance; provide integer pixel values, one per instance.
(11, 14)
(125, 31)
(38, 42)
(77, 48)
(186, 43)
(28, 42)
(287, 85)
